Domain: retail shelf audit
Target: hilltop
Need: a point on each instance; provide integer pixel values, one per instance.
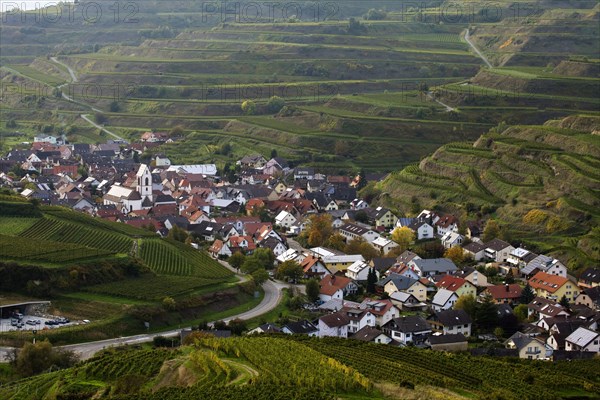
(303, 368)
(540, 181)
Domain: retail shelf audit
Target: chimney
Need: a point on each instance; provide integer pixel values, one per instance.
(507, 287)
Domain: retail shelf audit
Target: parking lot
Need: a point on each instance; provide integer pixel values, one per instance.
(29, 322)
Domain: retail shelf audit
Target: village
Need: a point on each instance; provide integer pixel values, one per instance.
(427, 281)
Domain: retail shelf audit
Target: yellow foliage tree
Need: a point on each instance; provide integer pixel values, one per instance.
(404, 236)
(535, 217)
(456, 254)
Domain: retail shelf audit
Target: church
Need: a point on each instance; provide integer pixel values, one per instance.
(136, 196)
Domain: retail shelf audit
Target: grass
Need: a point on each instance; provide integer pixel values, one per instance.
(15, 225)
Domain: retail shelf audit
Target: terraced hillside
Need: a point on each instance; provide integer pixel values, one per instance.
(283, 368)
(541, 181)
(62, 236)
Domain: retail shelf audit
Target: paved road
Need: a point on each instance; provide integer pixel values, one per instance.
(432, 97)
(476, 50)
(271, 299)
(69, 98)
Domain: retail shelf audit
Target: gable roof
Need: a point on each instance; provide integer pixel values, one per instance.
(367, 334)
(435, 264)
(407, 256)
(447, 339)
(582, 336)
(400, 281)
(591, 275)
(474, 247)
(453, 317)
(303, 326)
(410, 323)
(496, 245)
(331, 284)
(511, 291)
(548, 282)
(442, 296)
(452, 283)
(335, 320)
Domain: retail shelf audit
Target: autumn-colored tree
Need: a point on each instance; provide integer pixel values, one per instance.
(404, 236)
(491, 230)
(467, 303)
(319, 229)
(336, 242)
(456, 254)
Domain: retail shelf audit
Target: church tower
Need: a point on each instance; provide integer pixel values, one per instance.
(144, 182)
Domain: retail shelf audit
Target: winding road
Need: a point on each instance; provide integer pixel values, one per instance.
(476, 50)
(65, 96)
(273, 296)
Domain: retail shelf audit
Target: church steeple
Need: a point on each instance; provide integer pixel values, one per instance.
(144, 182)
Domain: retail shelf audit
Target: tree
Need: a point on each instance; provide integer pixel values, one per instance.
(375, 15)
(486, 316)
(36, 358)
(100, 118)
(275, 104)
(178, 234)
(361, 216)
(456, 254)
(114, 106)
(248, 107)
(498, 332)
(291, 270)
(265, 257)
(319, 229)
(467, 303)
(169, 303)
(368, 252)
(510, 277)
(176, 132)
(237, 260)
(250, 265)
(260, 276)
(527, 295)
(521, 312)
(312, 290)
(491, 230)
(371, 280)
(273, 153)
(237, 326)
(404, 236)
(336, 242)
(564, 301)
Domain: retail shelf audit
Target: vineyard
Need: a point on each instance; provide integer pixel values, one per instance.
(152, 287)
(281, 367)
(173, 258)
(49, 228)
(14, 247)
(15, 225)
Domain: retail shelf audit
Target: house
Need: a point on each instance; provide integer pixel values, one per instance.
(154, 137)
(335, 325)
(560, 328)
(340, 263)
(504, 294)
(358, 318)
(449, 342)
(474, 229)
(382, 264)
(304, 173)
(358, 271)
(160, 160)
(528, 347)
(352, 231)
(381, 217)
(290, 254)
(406, 301)
(553, 287)
(546, 264)
(303, 327)
(590, 297)
(452, 239)
(370, 334)
(543, 308)
(589, 278)
(473, 276)
(474, 250)
(384, 245)
(443, 300)
(255, 161)
(407, 257)
(398, 283)
(583, 339)
(460, 286)
(285, 219)
(336, 287)
(265, 328)
(408, 329)
(445, 224)
(219, 249)
(422, 229)
(432, 266)
(498, 250)
(383, 310)
(451, 322)
(243, 244)
(314, 267)
(520, 257)
(276, 246)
